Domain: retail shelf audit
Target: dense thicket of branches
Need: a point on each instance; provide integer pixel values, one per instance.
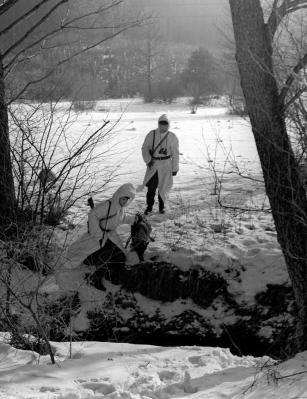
(31, 33)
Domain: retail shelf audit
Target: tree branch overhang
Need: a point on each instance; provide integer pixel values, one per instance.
(291, 78)
(277, 14)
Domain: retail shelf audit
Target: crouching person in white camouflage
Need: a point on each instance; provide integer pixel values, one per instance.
(101, 245)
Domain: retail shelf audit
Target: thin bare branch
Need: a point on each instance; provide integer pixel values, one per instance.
(7, 5)
(66, 25)
(82, 148)
(291, 375)
(89, 28)
(100, 10)
(65, 60)
(34, 27)
(278, 13)
(242, 209)
(293, 5)
(296, 96)
(297, 8)
(24, 16)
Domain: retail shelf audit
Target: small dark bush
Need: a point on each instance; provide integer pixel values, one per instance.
(81, 106)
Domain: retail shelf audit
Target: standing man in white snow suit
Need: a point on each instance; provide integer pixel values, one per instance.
(160, 152)
(101, 244)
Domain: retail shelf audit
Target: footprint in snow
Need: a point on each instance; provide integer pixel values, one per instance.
(195, 360)
(104, 388)
(168, 375)
(49, 389)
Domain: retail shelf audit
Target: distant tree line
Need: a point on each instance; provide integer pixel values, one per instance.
(147, 61)
(121, 70)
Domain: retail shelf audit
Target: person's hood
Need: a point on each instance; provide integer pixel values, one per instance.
(165, 118)
(126, 190)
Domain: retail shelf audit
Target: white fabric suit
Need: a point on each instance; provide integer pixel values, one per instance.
(96, 238)
(164, 167)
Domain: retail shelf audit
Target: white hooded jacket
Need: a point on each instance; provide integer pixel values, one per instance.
(103, 220)
(164, 167)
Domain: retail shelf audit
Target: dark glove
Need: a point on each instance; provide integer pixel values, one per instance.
(150, 163)
(174, 173)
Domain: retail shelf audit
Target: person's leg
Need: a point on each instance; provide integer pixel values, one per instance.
(106, 257)
(161, 204)
(152, 185)
(101, 256)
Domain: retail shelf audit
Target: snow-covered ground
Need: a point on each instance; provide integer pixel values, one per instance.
(209, 137)
(195, 231)
(124, 371)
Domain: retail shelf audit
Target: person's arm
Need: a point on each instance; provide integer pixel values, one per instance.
(175, 154)
(146, 147)
(94, 217)
(128, 219)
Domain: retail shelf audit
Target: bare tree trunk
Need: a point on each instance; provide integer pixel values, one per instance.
(283, 184)
(7, 196)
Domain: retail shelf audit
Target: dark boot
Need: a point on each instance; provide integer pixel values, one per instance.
(147, 211)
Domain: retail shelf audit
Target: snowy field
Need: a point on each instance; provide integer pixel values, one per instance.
(194, 231)
(210, 136)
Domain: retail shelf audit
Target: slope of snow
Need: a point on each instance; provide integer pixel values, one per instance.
(115, 370)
